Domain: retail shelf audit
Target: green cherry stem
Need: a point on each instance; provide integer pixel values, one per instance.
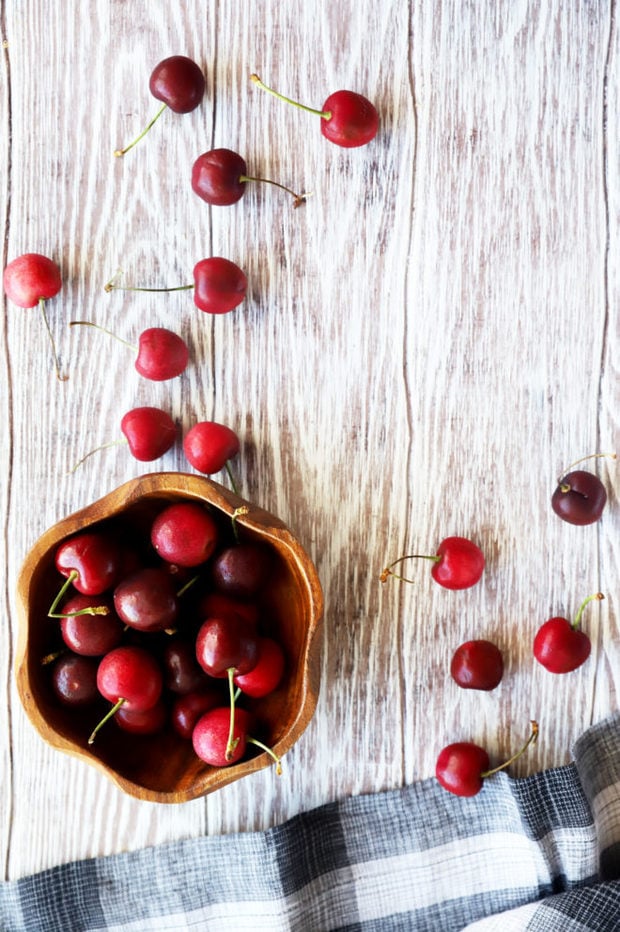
(533, 738)
(598, 596)
(387, 572)
(231, 478)
(106, 718)
(324, 114)
(89, 323)
(272, 754)
(61, 378)
(119, 152)
(110, 286)
(237, 513)
(298, 199)
(104, 446)
(232, 742)
(91, 610)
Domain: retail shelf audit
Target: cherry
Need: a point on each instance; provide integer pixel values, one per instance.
(128, 675)
(182, 674)
(220, 178)
(226, 644)
(218, 603)
(462, 767)
(184, 534)
(241, 569)
(477, 665)
(74, 680)
(267, 672)
(580, 496)
(560, 646)
(208, 447)
(161, 354)
(211, 736)
(187, 709)
(86, 629)
(458, 564)
(347, 118)
(90, 561)
(28, 281)
(219, 285)
(147, 600)
(149, 432)
(142, 721)
(177, 81)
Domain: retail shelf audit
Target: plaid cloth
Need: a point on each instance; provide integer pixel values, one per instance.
(540, 853)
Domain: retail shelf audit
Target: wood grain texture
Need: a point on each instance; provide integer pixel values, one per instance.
(428, 342)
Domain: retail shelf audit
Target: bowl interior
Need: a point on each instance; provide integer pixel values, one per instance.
(164, 767)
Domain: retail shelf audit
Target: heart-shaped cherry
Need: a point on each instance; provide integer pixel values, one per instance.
(128, 675)
(147, 600)
(458, 564)
(209, 446)
(149, 432)
(266, 674)
(219, 285)
(177, 81)
(347, 118)
(160, 353)
(90, 561)
(220, 178)
(184, 534)
(561, 646)
(477, 664)
(580, 496)
(462, 767)
(28, 281)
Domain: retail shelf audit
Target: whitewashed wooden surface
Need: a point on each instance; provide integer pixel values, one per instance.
(428, 342)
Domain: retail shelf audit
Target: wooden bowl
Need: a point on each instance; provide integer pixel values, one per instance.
(164, 767)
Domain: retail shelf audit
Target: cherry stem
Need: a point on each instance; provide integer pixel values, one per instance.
(88, 323)
(232, 742)
(188, 585)
(387, 572)
(325, 114)
(231, 478)
(49, 658)
(263, 747)
(242, 510)
(119, 152)
(598, 596)
(298, 199)
(563, 485)
(61, 378)
(531, 740)
(104, 446)
(106, 718)
(90, 610)
(110, 286)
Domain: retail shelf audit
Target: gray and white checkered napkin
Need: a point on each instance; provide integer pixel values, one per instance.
(541, 853)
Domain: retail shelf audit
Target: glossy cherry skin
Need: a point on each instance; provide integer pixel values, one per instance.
(30, 278)
(210, 736)
(241, 569)
(266, 674)
(74, 680)
(224, 644)
(96, 559)
(560, 647)
(460, 766)
(188, 708)
(142, 721)
(162, 354)
(184, 534)
(220, 604)
(208, 446)
(219, 285)
(461, 563)
(216, 177)
(147, 600)
(130, 673)
(477, 664)
(354, 120)
(178, 82)
(150, 432)
(90, 635)
(182, 673)
(579, 498)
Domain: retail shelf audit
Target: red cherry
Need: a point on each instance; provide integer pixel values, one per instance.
(179, 83)
(458, 564)
(477, 665)
(142, 721)
(219, 603)
(161, 354)
(184, 534)
(209, 446)
(28, 281)
(90, 560)
(219, 285)
(187, 709)
(131, 676)
(462, 767)
(220, 178)
(150, 432)
(226, 644)
(74, 680)
(347, 118)
(92, 632)
(560, 646)
(147, 600)
(267, 672)
(211, 736)
(242, 569)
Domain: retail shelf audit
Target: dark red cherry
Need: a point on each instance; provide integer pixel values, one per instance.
(220, 604)
(579, 498)
(477, 664)
(187, 709)
(184, 534)
(226, 644)
(142, 721)
(147, 600)
(219, 285)
(91, 635)
(92, 561)
(462, 767)
(74, 679)
(217, 177)
(178, 82)
(242, 569)
(182, 673)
